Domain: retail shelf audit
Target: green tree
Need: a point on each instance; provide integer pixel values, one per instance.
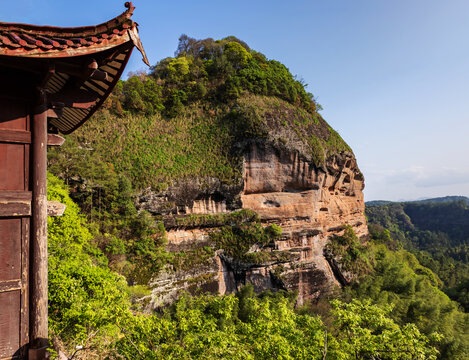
(365, 331)
(85, 297)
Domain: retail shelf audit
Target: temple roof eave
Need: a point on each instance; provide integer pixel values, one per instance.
(24, 40)
(79, 67)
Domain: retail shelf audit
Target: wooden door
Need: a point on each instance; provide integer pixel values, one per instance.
(15, 211)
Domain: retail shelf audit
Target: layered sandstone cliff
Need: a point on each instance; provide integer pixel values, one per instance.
(309, 203)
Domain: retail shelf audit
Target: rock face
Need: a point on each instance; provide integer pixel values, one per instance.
(194, 196)
(310, 204)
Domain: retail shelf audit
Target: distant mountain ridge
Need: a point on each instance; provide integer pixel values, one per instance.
(436, 231)
(431, 200)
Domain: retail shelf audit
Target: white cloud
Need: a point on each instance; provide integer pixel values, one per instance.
(444, 177)
(420, 176)
(415, 182)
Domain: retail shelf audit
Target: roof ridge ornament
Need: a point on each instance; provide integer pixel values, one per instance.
(130, 8)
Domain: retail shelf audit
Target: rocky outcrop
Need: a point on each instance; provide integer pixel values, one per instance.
(193, 196)
(309, 203)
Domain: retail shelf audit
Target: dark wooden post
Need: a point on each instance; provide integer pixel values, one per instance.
(39, 314)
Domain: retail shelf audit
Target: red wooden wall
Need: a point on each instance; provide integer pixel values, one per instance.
(15, 210)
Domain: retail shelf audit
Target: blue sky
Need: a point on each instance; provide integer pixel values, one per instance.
(392, 76)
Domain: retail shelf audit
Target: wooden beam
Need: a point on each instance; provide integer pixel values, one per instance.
(15, 203)
(15, 136)
(75, 98)
(55, 208)
(25, 248)
(24, 137)
(10, 285)
(38, 294)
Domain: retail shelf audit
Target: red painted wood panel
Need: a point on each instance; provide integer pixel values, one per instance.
(14, 235)
(10, 249)
(13, 115)
(9, 323)
(12, 167)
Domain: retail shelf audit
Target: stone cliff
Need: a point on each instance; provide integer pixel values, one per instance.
(285, 188)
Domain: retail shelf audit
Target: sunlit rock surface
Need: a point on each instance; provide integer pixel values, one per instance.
(311, 204)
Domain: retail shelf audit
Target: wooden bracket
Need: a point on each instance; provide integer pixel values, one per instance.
(54, 208)
(91, 71)
(55, 140)
(55, 111)
(18, 203)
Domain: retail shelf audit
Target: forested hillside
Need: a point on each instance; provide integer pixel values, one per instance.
(437, 233)
(94, 314)
(180, 130)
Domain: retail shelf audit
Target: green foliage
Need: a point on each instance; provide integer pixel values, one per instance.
(187, 260)
(263, 117)
(89, 306)
(266, 327)
(236, 240)
(139, 94)
(209, 220)
(66, 233)
(350, 253)
(398, 279)
(85, 297)
(335, 141)
(208, 327)
(273, 231)
(145, 248)
(270, 256)
(364, 331)
(236, 54)
(148, 151)
(133, 243)
(227, 69)
(190, 118)
(436, 232)
(317, 150)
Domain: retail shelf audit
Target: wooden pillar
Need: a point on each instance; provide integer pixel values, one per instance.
(39, 313)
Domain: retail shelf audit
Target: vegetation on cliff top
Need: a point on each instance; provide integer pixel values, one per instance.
(191, 115)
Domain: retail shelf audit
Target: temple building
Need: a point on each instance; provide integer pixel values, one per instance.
(52, 80)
